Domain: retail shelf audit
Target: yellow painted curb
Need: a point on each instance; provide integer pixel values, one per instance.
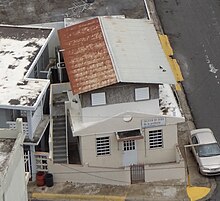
(166, 44)
(176, 69)
(169, 53)
(196, 193)
(76, 196)
(178, 87)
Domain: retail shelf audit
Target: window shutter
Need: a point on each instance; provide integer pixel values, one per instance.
(98, 99)
(142, 93)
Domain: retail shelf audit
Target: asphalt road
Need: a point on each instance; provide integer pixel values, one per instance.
(40, 11)
(193, 27)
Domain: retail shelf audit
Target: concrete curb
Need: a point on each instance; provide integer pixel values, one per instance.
(213, 187)
(76, 196)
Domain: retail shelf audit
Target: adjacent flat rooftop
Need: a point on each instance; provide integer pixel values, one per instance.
(6, 146)
(20, 48)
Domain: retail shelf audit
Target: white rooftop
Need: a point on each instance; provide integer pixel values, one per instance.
(17, 56)
(136, 51)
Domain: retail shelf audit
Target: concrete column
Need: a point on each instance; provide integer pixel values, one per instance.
(33, 163)
(29, 121)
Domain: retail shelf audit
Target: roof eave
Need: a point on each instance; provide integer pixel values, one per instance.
(25, 107)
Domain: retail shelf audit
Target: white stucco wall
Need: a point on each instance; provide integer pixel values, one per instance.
(13, 185)
(86, 174)
(145, 155)
(17, 189)
(115, 176)
(168, 152)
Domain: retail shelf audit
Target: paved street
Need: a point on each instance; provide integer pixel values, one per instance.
(40, 11)
(193, 27)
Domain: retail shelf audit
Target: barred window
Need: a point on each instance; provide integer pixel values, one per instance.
(102, 146)
(129, 145)
(155, 139)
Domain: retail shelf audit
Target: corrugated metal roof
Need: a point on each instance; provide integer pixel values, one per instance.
(136, 51)
(86, 56)
(103, 51)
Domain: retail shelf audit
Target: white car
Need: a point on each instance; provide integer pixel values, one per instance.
(206, 151)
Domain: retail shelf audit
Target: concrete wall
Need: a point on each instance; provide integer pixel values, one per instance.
(169, 171)
(17, 189)
(85, 174)
(145, 155)
(116, 176)
(13, 183)
(5, 116)
(168, 152)
(54, 39)
(119, 93)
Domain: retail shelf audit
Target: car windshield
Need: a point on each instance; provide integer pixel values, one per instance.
(208, 150)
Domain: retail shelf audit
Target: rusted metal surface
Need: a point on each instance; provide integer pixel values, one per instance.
(137, 173)
(86, 56)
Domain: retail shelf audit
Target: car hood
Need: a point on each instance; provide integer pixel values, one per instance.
(210, 162)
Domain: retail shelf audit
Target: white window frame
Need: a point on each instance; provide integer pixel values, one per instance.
(98, 99)
(142, 93)
(103, 146)
(156, 139)
(129, 145)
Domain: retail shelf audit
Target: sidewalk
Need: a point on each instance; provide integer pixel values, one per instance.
(166, 191)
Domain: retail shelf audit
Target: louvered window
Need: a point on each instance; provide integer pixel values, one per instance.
(142, 94)
(102, 146)
(155, 139)
(98, 99)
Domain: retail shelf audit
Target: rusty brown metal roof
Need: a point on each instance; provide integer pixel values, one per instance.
(86, 56)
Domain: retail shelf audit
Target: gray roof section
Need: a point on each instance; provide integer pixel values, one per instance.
(136, 51)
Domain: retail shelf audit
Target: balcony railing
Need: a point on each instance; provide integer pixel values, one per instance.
(41, 161)
(12, 124)
(27, 166)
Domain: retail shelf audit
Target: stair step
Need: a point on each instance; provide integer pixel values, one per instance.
(59, 155)
(59, 137)
(59, 146)
(58, 142)
(60, 160)
(59, 133)
(59, 128)
(59, 124)
(57, 152)
(59, 118)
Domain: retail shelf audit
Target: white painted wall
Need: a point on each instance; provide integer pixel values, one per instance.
(5, 116)
(85, 174)
(145, 155)
(54, 39)
(17, 189)
(12, 177)
(115, 176)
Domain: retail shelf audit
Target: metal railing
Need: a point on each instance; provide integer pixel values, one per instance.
(27, 166)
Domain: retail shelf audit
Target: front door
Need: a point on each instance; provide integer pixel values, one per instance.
(130, 152)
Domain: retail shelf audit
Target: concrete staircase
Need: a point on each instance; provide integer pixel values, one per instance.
(59, 140)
